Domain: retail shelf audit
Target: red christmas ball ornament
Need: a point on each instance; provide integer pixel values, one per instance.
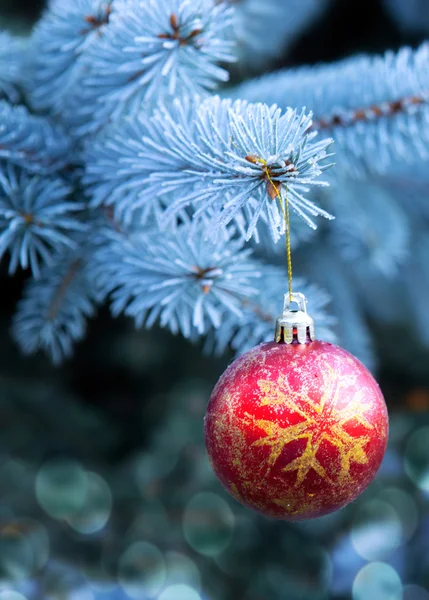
(296, 428)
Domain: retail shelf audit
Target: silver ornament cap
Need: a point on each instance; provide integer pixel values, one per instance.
(294, 324)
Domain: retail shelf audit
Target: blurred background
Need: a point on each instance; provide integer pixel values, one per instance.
(106, 492)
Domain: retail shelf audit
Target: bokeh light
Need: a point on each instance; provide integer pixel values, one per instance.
(96, 506)
(245, 540)
(346, 562)
(415, 592)
(24, 547)
(405, 507)
(150, 469)
(61, 488)
(378, 581)
(182, 570)
(17, 560)
(151, 521)
(306, 576)
(417, 458)
(81, 593)
(63, 581)
(376, 531)
(142, 570)
(179, 592)
(11, 595)
(208, 524)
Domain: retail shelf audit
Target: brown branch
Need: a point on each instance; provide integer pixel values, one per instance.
(200, 274)
(71, 273)
(97, 22)
(273, 185)
(175, 34)
(370, 113)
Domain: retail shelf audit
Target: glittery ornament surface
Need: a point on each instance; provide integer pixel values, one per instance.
(296, 431)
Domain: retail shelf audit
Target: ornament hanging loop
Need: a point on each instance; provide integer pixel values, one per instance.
(294, 325)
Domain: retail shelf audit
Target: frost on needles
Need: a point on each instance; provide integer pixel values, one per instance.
(228, 162)
(98, 61)
(375, 107)
(125, 178)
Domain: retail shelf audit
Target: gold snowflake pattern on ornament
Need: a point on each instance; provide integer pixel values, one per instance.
(327, 412)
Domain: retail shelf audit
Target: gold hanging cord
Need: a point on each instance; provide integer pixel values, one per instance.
(273, 189)
(284, 205)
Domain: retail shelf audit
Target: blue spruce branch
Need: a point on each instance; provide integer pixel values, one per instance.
(13, 56)
(96, 61)
(32, 142)
(58, 43)
(172, 169)
(37, 218)
(223, 159)
(326, 269)
(53, 312)
(182, 279)
(111, 178)
(375, 108)
(372, 230)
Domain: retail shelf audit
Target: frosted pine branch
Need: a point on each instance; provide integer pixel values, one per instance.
(375, 108)
(60, 39)
(222, 159)
(182, 280)
(32, 142)
(185, 179)
(53, 312)
(151, 49)
(371, 228)
(37, 218)
(111, 177)
(13, 55)
(325, 267)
